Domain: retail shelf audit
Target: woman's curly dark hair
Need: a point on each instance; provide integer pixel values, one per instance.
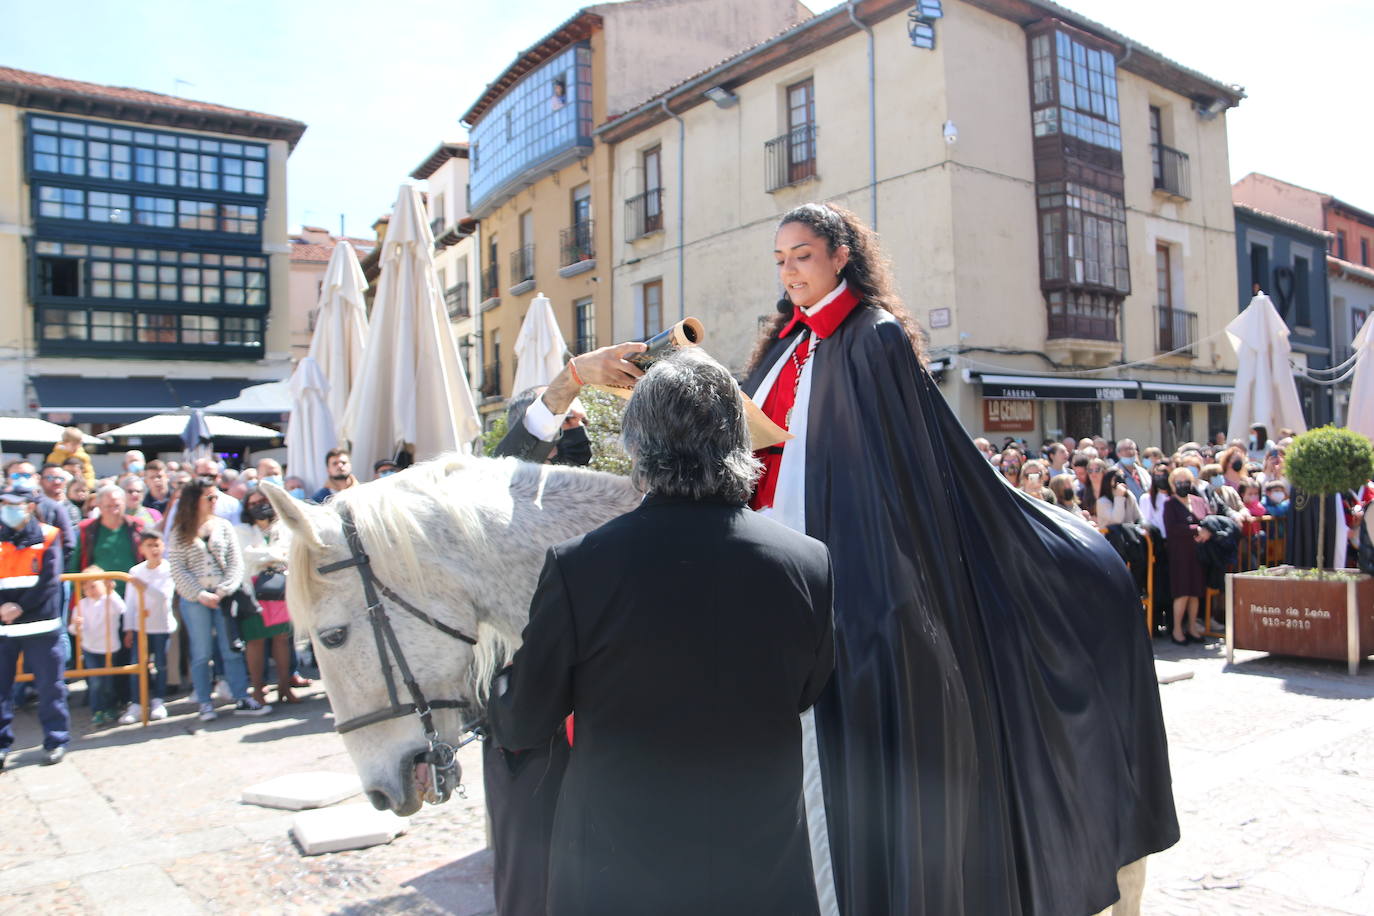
(867, 272)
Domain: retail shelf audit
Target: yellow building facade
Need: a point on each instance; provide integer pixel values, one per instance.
(541, 186)
(1031, 236)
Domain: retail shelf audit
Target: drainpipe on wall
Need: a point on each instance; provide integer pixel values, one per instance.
(872, 120)
(681, 208)
(478, 298)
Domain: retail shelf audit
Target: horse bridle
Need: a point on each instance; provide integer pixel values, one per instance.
(441, 756)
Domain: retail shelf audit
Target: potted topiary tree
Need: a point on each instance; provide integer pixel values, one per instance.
(1314, 613)
(1324, 462)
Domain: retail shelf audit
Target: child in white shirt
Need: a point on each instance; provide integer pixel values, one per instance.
(156, 576)
(96, 621)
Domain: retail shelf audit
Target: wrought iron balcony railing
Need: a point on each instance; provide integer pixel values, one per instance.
(491, 282)
(491, 380)
(1175, 330)
(644, 214)
(1170, 171)
(576, 243)
(456, 299)
(791, 158)
(522, 264)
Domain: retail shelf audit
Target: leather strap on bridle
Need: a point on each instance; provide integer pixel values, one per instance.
(385, 638)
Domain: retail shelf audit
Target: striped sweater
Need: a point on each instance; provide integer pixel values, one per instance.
(214, 567)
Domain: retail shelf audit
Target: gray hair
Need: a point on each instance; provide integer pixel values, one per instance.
(517, 405)
(686, 432)
(107, 489)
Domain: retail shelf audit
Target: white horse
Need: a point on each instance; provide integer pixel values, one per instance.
(462, 539)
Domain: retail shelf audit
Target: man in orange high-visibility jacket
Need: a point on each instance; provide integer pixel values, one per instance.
(31, 618)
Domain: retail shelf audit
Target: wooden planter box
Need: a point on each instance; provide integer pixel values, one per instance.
(1308, 618)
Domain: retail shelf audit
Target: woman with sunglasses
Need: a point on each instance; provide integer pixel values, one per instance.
(207, 567)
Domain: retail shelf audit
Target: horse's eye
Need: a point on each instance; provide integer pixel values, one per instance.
(334, 637)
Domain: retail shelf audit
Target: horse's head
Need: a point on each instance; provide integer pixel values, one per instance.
(460, 539)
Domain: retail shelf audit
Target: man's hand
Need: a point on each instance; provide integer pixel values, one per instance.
(9, 612)
(606, 366)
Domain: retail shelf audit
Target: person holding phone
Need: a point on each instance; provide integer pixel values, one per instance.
(1116, 505)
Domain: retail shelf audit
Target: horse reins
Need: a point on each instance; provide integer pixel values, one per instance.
(441, 756)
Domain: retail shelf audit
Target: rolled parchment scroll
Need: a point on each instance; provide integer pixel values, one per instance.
(689, 332)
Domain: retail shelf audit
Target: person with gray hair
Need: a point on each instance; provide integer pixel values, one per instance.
(689, 616)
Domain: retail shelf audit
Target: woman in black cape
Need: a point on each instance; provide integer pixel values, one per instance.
(991, 741)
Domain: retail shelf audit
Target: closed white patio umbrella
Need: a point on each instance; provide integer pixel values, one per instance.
(1359, 414)
(310, 433)
(412, 393)
(1265, 390)
(539, 348)
(340, 337)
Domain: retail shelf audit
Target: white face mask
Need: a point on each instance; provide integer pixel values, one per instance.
(13, 516)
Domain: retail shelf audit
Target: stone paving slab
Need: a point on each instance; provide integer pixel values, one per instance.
(1273, 765)
(300, 791)
(138, 889)
(345, 827)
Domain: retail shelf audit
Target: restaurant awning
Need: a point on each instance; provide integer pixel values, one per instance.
(1186, 394)
(1039, 387)
(82, 399)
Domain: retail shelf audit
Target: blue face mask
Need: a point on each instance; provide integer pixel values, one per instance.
(298, 492)
(1128, 462)
(385, 474)
(1148, 462)
(272, 479)
(136, 467)
(26, 479)
(13, 516)
(1192, 470)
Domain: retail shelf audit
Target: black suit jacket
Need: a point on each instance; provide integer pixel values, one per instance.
(687, 636)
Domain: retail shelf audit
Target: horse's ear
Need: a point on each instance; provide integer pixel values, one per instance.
(293, 513)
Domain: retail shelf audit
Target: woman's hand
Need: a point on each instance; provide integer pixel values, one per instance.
(1121, 490)
(1202, 535)
(209, 599)
(9, 612)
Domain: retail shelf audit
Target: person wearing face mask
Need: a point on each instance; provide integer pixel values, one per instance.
(1187, 581)
(269, 471)
(295, 487)
(339, 465)
(1134, 474)
(264, 544)
(383, 468)
(31, 618)
(538, 420)
(134, 462)
(1259, 443)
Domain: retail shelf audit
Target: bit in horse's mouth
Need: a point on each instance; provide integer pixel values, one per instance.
(424, 778)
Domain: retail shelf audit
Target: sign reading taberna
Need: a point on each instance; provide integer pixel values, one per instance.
(1039, 387)
(1172, 393)
(1032, 387)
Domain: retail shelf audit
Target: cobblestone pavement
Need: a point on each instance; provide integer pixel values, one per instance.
(1273, 765)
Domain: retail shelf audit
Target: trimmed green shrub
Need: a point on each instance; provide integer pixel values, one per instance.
(1327, 460)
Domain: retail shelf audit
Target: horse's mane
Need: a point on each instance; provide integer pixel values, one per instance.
(447, 505)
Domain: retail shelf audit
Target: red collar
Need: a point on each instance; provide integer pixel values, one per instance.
(825, 320)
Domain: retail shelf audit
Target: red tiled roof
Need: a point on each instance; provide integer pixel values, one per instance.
(309, 252)
(37, 90)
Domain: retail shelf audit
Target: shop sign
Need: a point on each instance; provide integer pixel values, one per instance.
(1008, 415)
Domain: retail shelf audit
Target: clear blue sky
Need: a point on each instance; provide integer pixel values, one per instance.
(380, 84)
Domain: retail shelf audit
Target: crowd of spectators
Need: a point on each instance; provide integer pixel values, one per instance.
(1206, 508)
(203, 540)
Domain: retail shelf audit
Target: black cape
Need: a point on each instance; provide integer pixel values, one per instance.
(991, 741)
